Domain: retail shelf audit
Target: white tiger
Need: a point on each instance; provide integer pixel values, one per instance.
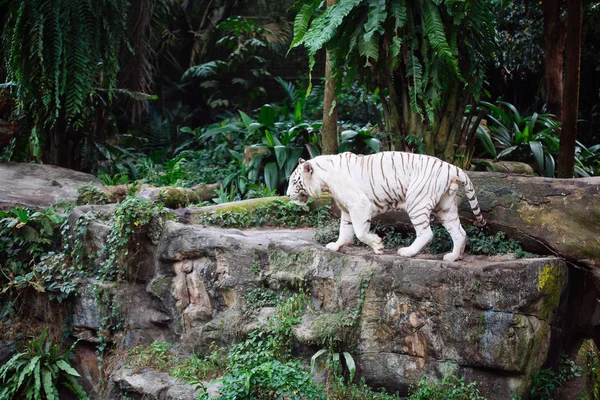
(364, 186)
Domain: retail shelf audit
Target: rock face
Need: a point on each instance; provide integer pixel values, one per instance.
(38, 186)
(497, 320)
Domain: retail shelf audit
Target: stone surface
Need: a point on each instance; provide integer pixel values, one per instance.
(152, 385)
(496, 320)
(38, 185)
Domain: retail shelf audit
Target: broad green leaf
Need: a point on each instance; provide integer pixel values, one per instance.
(373, 144)
(268, 115)
(313, 150)
(271, 175)
(549, 165)
(506, 151)
(486, 141)
(245, 119)
(580, 172)
(62, 364)
(269, 139)
(281, 153)
(347, 135)
(516, 116)
(538, 155)
(313, 359)
(48, 384)
(350, 364)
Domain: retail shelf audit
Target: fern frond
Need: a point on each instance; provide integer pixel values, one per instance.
(203, 70)
(398, 12)
(376, 17)
(301, 22)
(434, 28)
(414, 70)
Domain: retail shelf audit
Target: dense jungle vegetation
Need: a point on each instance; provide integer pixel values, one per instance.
(178, 93)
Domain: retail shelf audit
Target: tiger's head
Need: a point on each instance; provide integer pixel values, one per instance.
(298, 189)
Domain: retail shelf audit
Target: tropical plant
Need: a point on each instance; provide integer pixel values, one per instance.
(243, 38)
(40, 372)
(450, 387)
(409, 49)
(587, 160)
(522, 138)
(61, 62)
(279, 151)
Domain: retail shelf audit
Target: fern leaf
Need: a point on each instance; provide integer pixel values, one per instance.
(376, 17)
(301, 23)
(369, 49)
(414, 70)
(434, 28)
(398, 11)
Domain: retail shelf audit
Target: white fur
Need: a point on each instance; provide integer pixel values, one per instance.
(364, 186)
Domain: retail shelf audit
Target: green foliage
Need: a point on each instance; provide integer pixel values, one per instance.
(520, 37)
(158, 356)
(278, 212)
(261, 366)
(256, 298)
(339, 390)
(27, 240)
(243, 39)
(91, 194)
(478, 242)
(365, 40)
(39, 372)
(546, 381)
(195, 368)
(524, 138)
(450, 387)
(60, 57)
(131, 218)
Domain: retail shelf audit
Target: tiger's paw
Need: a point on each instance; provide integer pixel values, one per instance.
(452, 257)
(333, 246)
(378, 248)
(405, 252)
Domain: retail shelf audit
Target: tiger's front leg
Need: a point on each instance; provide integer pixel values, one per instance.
(361, 220)
(346, 233)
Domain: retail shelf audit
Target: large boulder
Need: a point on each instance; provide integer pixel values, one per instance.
(39, 185)
(496, 319)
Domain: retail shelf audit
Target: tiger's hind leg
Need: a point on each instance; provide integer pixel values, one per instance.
(420, 216)
(447, 213)
(346, 233)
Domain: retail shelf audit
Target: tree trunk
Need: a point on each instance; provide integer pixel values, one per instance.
(554, 38)
(329, 131)
(568, 134)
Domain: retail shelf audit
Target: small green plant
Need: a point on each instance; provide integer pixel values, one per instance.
(158, 356)
(278, 212)
(256, 298)
(544, 382)
(91, 194)
(39, 372)
(197, 369)
(261, 367)
(450, 387)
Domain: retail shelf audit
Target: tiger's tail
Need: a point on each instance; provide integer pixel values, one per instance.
(470, 192)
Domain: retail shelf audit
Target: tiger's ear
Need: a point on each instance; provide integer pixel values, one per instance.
(308, 168)
(301, 161)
